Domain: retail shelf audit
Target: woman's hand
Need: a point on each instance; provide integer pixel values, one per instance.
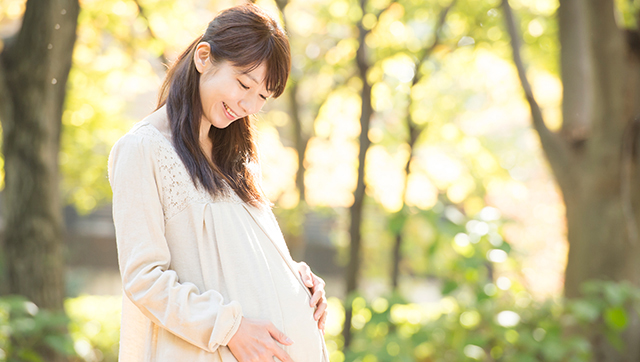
(255, 340)
(318, 296)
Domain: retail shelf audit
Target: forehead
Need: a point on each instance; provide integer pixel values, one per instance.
(257, 74)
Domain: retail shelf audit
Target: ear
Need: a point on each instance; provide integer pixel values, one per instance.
(201, 57)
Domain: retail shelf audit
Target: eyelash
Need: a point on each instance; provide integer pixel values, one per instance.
(247, 88)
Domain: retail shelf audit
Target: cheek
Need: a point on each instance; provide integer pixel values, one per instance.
(262, 103)
(208, 94)
(204, 93)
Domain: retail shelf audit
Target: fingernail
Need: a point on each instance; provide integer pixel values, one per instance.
(289, 340)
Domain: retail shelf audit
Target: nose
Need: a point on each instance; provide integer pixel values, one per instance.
(246, 106)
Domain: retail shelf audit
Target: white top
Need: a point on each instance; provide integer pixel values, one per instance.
(192, 265)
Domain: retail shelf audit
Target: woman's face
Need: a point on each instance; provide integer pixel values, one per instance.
(226, 93)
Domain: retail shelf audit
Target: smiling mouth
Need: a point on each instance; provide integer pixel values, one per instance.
(231, 113)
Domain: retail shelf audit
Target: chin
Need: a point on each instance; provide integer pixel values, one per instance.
(219, 123)
(222, 125)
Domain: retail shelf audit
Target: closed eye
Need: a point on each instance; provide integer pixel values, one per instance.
(247, 88)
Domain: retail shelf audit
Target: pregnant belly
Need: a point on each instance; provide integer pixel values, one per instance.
(271, 290)
(300, 326)
(293, 297)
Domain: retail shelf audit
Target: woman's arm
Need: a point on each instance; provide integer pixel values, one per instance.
(201, 318)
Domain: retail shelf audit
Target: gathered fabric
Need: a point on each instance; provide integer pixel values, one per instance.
(193, 265)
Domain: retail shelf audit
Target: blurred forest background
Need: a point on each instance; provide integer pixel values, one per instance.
(432, 160)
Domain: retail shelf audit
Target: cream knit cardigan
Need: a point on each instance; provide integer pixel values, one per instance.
(192, 265)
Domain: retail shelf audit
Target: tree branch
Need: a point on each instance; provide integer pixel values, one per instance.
(436, 40)
(554, 147)
(367, 31)
(414, 129)
(517, 59)
(281, 5)
(414, 132)
(6, 108)
(577, 68)
(628, 152)
(143, 14)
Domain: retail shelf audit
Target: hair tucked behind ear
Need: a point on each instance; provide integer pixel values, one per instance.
(246, 37)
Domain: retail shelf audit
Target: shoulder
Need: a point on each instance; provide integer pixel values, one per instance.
(136, 149)
(141, 136)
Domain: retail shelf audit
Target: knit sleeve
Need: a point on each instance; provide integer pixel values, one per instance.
(201, 318)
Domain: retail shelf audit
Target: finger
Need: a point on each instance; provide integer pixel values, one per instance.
(279, 336)
(318, 283)
(305, 273)
(321, 308)
(317, 296)
(323, 319)
(280, 353)
(322, 322)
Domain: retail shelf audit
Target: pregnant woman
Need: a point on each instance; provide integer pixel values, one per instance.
(206, 273)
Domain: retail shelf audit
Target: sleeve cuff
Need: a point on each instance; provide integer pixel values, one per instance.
(236, 319)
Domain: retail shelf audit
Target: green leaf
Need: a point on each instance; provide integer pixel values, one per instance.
(397, 221)
(591, 287)
(615, 294)
(615, 340)
(60, 343)
(585, 310)
(616, 318)
(449, 287)
(554, 350)
(29, 355)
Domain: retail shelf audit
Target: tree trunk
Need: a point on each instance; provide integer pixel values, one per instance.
(296, 240)
(301, 140)
(593, 157)
(595, 214)
(413, 132)
(355, 211)
(601, 218)
(34, 67)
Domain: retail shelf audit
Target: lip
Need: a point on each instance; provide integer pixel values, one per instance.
(230, 116)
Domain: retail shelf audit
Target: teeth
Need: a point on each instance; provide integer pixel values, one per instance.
(229, 110)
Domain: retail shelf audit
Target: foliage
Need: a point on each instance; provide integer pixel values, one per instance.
(505, 326)
(89, 332)
(110, 69)
(95, 326)
(462, 326)
(26, 332)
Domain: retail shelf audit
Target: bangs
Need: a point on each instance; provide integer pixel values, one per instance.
(275, 56)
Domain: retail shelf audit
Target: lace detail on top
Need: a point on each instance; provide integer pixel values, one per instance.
(178, 190)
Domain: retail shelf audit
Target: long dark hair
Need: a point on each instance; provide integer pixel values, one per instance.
(246, 36)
